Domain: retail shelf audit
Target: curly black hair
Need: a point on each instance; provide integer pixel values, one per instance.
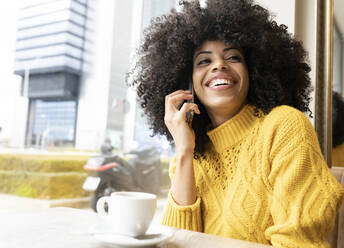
(337, 119)
(277, 63)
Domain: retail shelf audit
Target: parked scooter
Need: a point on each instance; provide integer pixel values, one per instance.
(108, 173)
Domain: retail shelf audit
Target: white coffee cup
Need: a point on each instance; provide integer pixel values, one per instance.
(129, 213)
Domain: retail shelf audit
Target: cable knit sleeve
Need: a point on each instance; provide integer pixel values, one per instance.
(183, 217)
(305, 197)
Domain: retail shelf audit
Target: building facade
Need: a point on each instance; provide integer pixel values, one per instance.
(53, 43)
(73, 56)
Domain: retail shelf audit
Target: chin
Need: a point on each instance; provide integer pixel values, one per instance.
(223, 103)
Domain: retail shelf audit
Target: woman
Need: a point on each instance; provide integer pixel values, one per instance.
(249, 166)
(337, 129)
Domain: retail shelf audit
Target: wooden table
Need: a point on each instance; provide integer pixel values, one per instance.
(66, 228)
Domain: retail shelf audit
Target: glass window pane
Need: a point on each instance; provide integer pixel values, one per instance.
(54, 121)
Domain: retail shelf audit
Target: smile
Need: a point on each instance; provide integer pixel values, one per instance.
(220, 82)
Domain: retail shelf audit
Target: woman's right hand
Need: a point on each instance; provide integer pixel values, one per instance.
(175, 119)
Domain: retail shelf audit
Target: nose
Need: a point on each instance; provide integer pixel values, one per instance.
(219, 65)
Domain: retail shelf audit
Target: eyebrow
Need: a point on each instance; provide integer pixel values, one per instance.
(209, 52)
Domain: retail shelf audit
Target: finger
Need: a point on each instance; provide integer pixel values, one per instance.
(189, 106)
(174, 102)
(179, 92)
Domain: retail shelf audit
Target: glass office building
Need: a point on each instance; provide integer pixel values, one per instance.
(73, 56)
(50, 55)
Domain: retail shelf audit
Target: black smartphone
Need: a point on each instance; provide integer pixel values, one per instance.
(190, 113)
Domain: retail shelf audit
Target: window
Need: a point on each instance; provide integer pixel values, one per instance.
(52, 123)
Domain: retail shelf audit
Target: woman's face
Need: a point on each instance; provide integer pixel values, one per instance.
(220, 78)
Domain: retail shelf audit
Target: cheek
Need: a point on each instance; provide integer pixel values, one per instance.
(197, 82)
(244, 76)
(195, 77)
(198, 91)
(199, 73)
(245, 86)
(247, 81)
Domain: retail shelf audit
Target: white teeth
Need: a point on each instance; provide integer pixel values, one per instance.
(218, 82)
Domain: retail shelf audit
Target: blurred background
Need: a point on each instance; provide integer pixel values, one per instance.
(63, 93)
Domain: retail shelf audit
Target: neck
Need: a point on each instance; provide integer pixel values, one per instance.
(219, 116)
(234, 129)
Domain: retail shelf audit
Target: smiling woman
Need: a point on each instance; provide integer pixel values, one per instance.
(250, 166)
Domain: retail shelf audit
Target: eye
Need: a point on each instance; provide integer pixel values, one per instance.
(203, 61)
(234, 58)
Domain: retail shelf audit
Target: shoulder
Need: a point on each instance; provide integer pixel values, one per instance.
(288, 127)
(287, 119)
(284, 113)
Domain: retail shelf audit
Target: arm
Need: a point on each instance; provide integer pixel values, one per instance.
(185, 217)
(183, 186)
(183, 208)
(305, 197)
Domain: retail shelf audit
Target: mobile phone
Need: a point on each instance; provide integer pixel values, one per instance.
(190, 113)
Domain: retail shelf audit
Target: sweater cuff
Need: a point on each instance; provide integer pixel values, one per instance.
(184, 217)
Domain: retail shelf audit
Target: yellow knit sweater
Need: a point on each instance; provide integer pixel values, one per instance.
(262, 180)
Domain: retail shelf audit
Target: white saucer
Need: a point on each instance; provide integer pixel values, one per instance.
(156, 234)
